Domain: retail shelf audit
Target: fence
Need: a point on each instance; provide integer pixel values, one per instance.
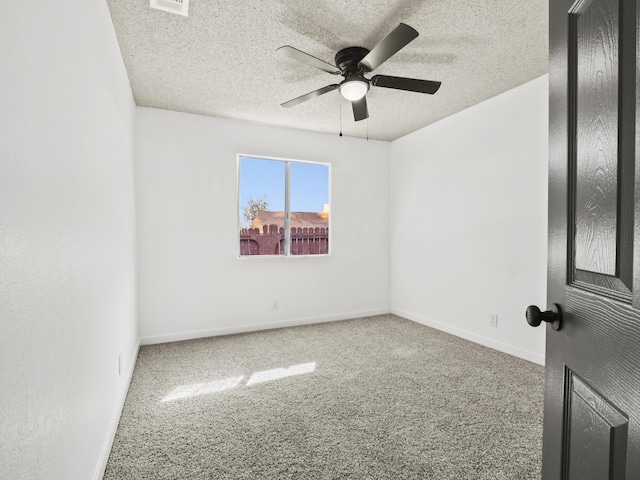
(304, 241)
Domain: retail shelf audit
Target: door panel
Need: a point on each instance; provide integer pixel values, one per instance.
(592, 396)
(596, 433)
(594, 28)
(597, 361)
(600, 160)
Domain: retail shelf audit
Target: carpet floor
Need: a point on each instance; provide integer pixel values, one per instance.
(371, 398)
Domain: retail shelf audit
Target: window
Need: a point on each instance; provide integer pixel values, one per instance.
(283, 207)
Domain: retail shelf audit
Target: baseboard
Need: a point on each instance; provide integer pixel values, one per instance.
(106, 449)
(175, 337)
(473, 337)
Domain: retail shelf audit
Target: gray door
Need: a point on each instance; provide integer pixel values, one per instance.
(592, 396)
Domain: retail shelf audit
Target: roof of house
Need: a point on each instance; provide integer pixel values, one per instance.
(298, 219)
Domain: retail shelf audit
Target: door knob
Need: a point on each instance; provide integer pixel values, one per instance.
(553, 316)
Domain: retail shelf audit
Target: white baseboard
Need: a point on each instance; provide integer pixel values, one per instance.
(467, 335)
(473, 337)
(175, 337)
(106, 449)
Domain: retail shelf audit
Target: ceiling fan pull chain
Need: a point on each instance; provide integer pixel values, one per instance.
(340, 112)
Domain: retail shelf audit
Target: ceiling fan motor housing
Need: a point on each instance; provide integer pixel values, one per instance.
(355, 85)
(348, 58)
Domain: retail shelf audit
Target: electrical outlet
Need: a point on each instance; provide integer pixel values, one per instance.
(119, 364)
(275, 305)
(493, 320)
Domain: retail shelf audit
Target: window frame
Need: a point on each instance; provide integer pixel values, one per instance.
(287, 212)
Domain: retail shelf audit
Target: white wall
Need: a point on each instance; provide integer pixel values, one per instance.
(67, 238)
(191, 281)
(468, 221)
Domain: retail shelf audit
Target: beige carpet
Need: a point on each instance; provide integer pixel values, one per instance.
(371, 398)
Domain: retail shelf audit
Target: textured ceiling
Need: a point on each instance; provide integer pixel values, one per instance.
(221, 60)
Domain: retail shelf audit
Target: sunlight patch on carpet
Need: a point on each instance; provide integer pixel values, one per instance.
(278, 373)
(197, 389)
(215, 386)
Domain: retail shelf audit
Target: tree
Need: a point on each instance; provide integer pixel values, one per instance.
(251, 208)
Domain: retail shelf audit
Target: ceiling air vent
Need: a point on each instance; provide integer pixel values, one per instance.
(181, 7)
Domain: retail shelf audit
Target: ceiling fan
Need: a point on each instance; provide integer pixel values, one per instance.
(354, 62)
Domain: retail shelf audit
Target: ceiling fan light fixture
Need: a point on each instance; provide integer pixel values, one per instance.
(354, 89)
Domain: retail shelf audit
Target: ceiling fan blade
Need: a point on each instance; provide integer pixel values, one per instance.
(360, 110)
(402, 83)
(389, 46)
(299, 55)
(310, 95)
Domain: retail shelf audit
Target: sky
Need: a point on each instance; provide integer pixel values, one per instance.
(309, 184)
